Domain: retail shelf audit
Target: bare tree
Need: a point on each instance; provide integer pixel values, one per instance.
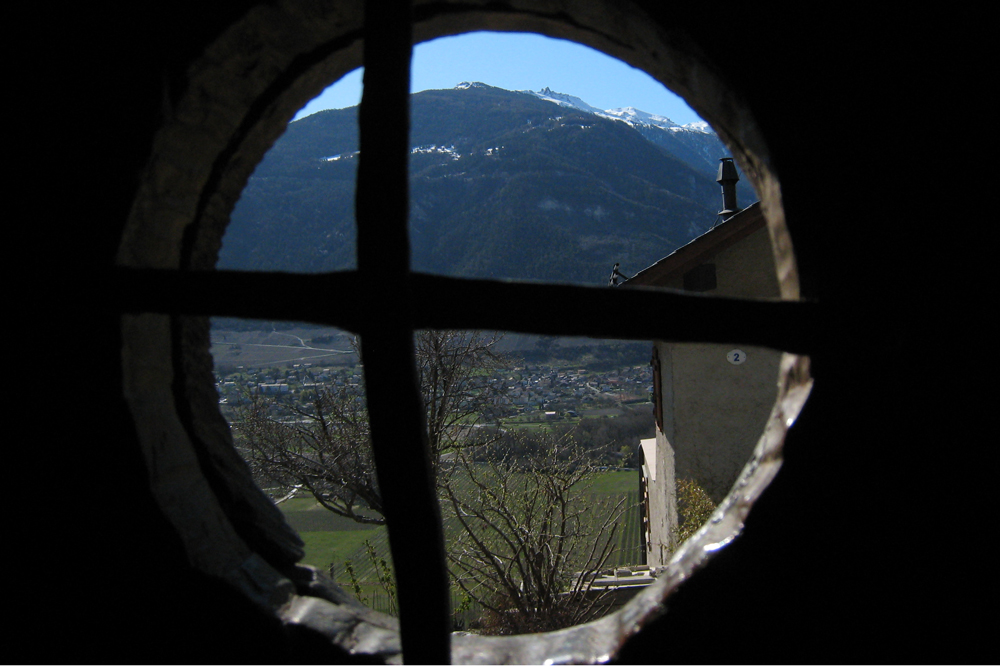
(529, 539)
(525, 538)
(454, 369)
(326, 449)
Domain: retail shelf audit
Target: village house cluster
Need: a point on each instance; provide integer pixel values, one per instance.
(568, 391)
(543, 391)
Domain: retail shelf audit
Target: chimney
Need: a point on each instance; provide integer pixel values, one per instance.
(728, 178)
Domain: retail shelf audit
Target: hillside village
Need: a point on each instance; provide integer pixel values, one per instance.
(533, 392)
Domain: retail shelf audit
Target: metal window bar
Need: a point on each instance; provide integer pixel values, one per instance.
(399, 437)
(457, 303)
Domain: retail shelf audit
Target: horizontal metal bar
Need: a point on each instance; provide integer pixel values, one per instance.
(343, 300)
(638, 313)
(336, 299)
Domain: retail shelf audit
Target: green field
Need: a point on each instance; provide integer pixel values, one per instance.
(324, 548)
(331, 539)
(629, 537)
(615, 481)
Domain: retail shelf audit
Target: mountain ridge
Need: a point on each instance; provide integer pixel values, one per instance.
(504, 184)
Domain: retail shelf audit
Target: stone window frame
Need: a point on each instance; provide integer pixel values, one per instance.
(241, 93)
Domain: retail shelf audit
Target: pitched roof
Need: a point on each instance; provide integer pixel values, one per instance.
(701, 249)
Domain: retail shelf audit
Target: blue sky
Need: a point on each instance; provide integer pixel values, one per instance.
(521, 61)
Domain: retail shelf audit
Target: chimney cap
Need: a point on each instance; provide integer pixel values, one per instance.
(727, 170)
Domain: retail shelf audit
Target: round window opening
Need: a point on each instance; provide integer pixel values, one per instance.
(238, 102)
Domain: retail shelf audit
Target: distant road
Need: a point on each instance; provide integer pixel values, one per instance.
(302, 346)
(274, 355)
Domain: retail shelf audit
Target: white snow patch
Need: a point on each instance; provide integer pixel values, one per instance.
(465, 85)
(342, 156)
(434, 148)
(700, 126)
(634, 116)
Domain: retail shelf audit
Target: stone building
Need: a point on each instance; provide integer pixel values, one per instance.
(711, 400)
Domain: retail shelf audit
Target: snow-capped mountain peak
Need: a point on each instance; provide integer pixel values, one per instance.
(700, 126)
(629, 114)
(632, 115)
(562, 99)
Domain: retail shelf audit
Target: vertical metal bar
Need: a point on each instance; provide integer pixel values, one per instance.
(399, 434)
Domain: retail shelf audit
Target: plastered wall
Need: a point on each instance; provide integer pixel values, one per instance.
(713, 411)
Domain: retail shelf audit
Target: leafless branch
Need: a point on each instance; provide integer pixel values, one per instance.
(530, 540)
(325, 448)
(327, 451)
